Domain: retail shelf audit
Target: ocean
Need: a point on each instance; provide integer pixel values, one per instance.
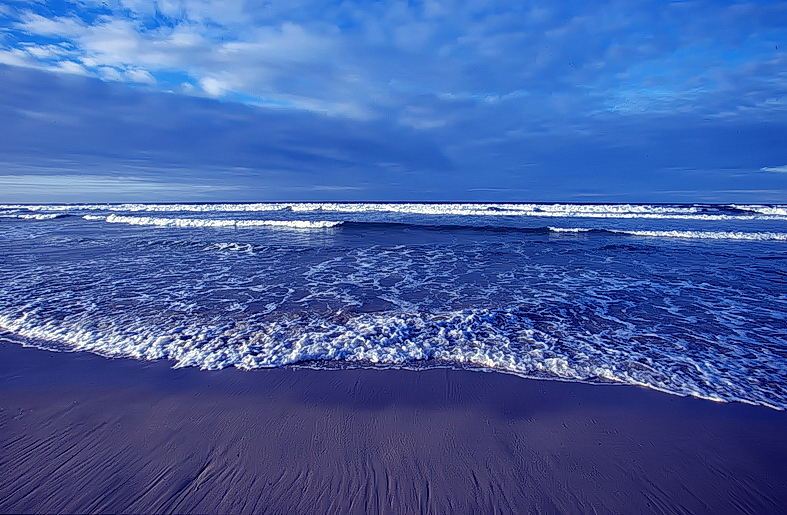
(685, 299)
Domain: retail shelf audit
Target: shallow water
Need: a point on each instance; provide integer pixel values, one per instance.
(690, 300)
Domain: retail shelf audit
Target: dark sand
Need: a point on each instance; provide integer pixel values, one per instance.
(84, 434)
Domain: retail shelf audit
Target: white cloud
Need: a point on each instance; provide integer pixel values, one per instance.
(62, 27)
(183, 38)
(268, 62)
(349, 109)
(214, 87)
(289, 42)
(341, 59)
(46, 51)
(778, 169)
(114, 42)
(109, 73)
(221, 12)
(140, 76)
(14, 57)
(71, 67)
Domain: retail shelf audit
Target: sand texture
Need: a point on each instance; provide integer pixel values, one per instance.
(85, 434)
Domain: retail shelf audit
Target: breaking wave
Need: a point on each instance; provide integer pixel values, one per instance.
(33, 216)
(502, 340)
(620, 211)
(197, 222)
(414, 285)
(695, 235)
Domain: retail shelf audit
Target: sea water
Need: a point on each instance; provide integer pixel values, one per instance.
(687, 299)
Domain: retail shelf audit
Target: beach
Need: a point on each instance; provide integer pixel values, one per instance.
(86, 434)
(391, 257)
(393, 358)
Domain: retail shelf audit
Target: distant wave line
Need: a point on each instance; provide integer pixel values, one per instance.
(712, 235)
(324, 224)
(705, 235)
(647, 211)
(33, 216)
(194, 222)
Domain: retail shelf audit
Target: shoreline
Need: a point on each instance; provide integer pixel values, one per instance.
(86, 434)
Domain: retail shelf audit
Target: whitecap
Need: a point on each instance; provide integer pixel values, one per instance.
(205, 222)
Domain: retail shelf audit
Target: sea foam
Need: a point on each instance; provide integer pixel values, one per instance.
(557, 210)
(701, 235)
(610, 296)
(493, 340)
(711, 235)
(202, 222)
(32, 216)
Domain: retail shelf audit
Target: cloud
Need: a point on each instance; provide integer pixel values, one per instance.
(363, 60)
(32, 23)
(97, 188)
(140, 76)
(78, 125)
(213, 86)
(75, 125)
(14, 57)
(44, 52)
(777, 169)
(597, 97)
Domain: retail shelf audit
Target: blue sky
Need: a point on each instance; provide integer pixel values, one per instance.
(635, 101)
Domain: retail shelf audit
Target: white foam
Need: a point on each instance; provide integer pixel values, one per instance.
(232, 246)
(711, 235)
(765, 210)
(473, 338)
(36, 216)
(528, 210)
(197, 222)
(617, 211)
(569, 229)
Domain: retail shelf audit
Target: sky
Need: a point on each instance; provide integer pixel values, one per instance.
(478, 100)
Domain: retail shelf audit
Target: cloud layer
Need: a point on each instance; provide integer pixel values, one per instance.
(440, 88)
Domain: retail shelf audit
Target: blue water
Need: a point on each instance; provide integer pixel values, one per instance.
(690, 300)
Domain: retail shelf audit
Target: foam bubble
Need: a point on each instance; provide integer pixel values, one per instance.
(528, 210)
(34, 216)
(614, 211)
(500, 340)
(201, 222)
(569, 308)
(569, 229)
(779, 211)
(711, 235)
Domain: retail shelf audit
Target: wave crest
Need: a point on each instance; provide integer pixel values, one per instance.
(197, 222)
(556, 210)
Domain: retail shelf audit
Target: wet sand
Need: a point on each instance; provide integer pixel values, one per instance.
(85, 434)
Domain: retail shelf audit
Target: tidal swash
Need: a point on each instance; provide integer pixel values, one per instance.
(687, 299)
